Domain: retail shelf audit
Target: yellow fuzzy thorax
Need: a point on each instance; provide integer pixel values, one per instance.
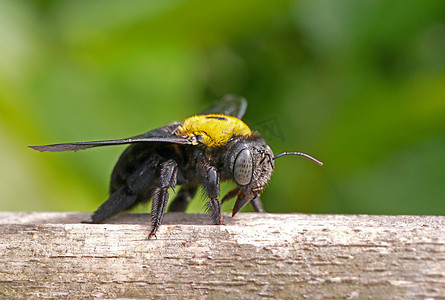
(215, 129)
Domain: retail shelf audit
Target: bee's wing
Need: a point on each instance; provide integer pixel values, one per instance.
(92, 144)
(162, 134)
(230, 105)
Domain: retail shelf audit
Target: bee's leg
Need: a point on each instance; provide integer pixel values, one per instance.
(211, 183)
(167, 179)
(257, 205)
(256, 202)
(128, 194)
(216, 213)
(230, 194)
(120, 200)
(183, 198)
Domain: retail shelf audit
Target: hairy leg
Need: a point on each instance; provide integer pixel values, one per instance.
(256, 203)
(120, 200)
(166, 180)
(211, 184)
(128, 193)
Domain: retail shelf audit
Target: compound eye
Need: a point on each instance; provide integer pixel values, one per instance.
(242, 171)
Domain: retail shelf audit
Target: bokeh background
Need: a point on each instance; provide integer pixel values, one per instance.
(358, 84)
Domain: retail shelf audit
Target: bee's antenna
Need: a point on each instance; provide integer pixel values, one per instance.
(299, 154)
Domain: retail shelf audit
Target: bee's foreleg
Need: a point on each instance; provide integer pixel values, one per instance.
(230, 194)
(256, 202)
(211, 183)
(167, 179)
(183, 198)
(257, 205)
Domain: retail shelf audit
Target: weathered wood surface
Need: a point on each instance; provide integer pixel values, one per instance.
(51, 255)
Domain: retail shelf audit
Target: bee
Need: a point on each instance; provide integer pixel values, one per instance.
(203, 150)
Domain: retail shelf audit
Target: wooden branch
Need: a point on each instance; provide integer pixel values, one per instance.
(52, 255)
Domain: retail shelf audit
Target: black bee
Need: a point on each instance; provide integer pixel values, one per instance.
(205, 149)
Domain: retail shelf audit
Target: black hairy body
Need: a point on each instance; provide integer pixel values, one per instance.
(146, 171)
(203, 150)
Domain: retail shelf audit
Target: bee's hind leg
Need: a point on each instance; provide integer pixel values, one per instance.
(127, 194)
(166, 179)
(119, 200)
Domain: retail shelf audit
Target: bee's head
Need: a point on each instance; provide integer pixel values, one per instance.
(251, 166)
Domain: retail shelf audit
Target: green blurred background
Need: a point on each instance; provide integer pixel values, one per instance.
(358, 84)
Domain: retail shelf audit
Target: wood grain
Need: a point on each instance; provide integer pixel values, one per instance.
(52, 255)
